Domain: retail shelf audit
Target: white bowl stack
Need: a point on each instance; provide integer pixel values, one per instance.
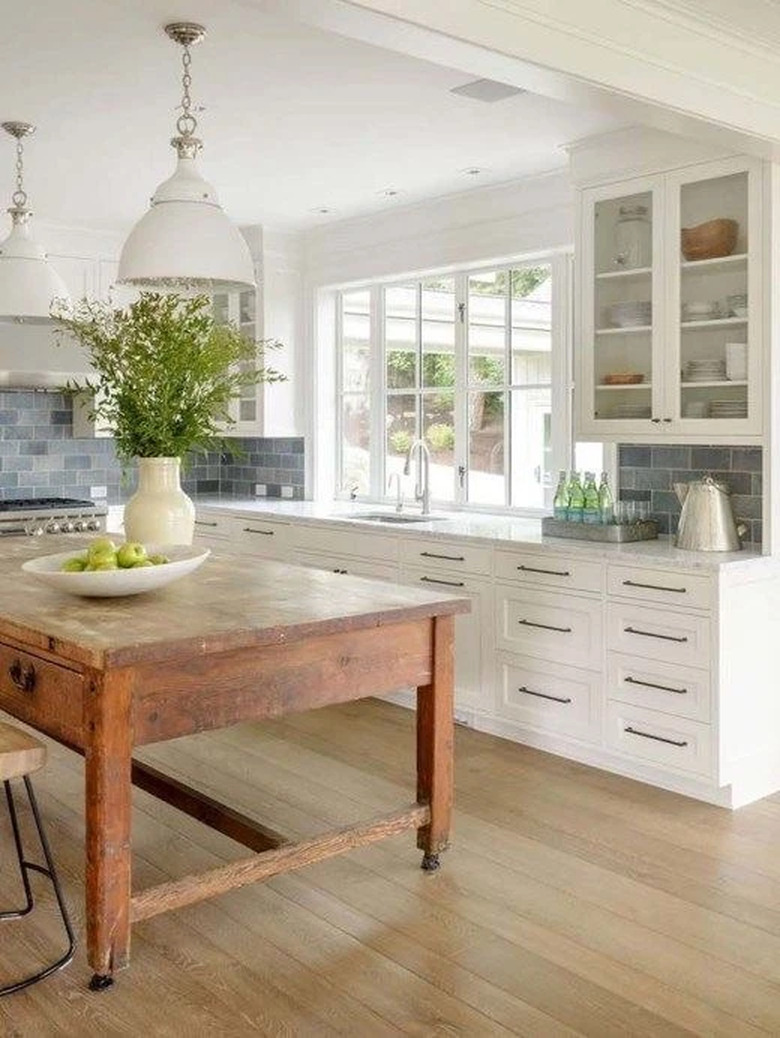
(630, 314)
(728, 409)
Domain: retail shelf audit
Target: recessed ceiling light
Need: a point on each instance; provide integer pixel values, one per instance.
(487, 90)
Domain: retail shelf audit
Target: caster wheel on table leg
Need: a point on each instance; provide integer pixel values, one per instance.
(100, 982)
(430, 862)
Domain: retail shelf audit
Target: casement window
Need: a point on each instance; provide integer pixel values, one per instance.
(477, 365)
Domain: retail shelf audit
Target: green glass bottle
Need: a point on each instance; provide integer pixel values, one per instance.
(561, 499)
(606, 500)
(576, 502)
(591, 513)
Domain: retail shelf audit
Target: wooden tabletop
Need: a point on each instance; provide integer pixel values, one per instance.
(231, 602)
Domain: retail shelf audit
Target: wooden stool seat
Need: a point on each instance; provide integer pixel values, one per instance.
(20, 753)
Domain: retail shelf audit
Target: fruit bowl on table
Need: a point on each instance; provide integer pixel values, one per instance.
(112, 583)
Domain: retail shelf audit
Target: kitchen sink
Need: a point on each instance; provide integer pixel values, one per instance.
(395, 517)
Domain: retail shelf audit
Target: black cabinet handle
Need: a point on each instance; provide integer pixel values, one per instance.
(23, 675)
(265, 533)
(667, 419)
(203, 522)
(657, 421)
(449, 558)
(655, 587)
(342, 571)
(447, 583)
(655, 738)
(545, 627)
(652, 684)
(651, 634)
(543, 695)
(548, 572)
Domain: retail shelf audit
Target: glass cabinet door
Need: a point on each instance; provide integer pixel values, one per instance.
(622, 301)
(716, 299)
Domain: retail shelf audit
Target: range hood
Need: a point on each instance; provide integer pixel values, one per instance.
(30, 358)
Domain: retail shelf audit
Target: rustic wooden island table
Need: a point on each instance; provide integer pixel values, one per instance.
(233, 642)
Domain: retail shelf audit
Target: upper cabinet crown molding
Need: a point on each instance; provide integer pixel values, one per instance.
(634, 151)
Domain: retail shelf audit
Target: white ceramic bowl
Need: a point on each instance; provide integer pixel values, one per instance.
(112, 583)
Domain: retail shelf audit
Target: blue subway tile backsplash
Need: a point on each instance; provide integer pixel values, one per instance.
(648, 474)
(40, 458)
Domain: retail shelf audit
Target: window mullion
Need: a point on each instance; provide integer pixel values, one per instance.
(508, 380)
(376, 391)
(461, 403)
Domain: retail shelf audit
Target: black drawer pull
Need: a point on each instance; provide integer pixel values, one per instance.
(203, 522)
(449, 558)
(655, 587)
(447, 583)
(545, 627)
(543, 695)
(265, 533)
(548, 572)
(656, 738)
(23, 675)
(651, 634)
(651, 684)
(342, 571)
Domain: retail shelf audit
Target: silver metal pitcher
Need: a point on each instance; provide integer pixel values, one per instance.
(707, 521)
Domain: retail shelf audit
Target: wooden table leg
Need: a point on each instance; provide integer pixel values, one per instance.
(435, 737)
(108, 758)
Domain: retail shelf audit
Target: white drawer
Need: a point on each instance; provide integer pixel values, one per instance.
(668, 687)
(550, 625)
(550, 696)
(663, 586)
(260, 536)
(672, 742)
(211, 526)
(658, 634)
(455, 556)
(342, 564)
(330, 540)
(561, 571)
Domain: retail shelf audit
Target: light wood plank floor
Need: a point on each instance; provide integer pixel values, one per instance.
(572, 901)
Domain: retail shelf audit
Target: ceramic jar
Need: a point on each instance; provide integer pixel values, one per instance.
(159, 512)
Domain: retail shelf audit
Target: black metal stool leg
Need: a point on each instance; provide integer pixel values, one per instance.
(49, 871)
(18, 912)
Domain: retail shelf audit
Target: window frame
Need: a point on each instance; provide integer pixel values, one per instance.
(561, 380)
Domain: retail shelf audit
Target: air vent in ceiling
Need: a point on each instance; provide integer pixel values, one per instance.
(487, 90)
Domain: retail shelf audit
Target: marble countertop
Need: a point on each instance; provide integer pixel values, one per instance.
(495, 530)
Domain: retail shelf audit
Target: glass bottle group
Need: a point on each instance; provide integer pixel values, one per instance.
(580, 502)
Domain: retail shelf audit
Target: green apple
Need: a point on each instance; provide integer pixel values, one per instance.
(105, 563)
(158, 559)
(130, 554)
(101, 548)
(142, 563)
(75, 565)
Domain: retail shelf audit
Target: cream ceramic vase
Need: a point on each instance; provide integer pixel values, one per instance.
(159, 512)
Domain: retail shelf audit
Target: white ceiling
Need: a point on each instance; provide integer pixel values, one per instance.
(296, 118)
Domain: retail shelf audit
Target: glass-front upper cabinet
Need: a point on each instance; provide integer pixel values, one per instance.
(621, 305)
(715, 296)
(240, 308)
(669, 326)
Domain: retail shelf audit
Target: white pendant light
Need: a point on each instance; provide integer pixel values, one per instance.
(28, 283)
(185, 240)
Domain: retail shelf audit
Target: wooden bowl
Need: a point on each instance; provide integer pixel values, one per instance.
(709, 240)
(622, 379)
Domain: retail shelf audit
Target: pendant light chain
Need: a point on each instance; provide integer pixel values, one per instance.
(186, 143)
(186, 124)
(19, 197)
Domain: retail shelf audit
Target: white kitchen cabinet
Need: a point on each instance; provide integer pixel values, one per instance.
(474, 641)
(347, 565)
(212, 529)
(637, 310)
(260, 536)
(241, 309)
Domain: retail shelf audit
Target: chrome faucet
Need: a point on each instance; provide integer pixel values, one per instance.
(399, 494)
(422, 490)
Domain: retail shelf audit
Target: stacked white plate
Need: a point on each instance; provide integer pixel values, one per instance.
(630, 411)
(728, 409)
(709, 369)
(629, 314)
